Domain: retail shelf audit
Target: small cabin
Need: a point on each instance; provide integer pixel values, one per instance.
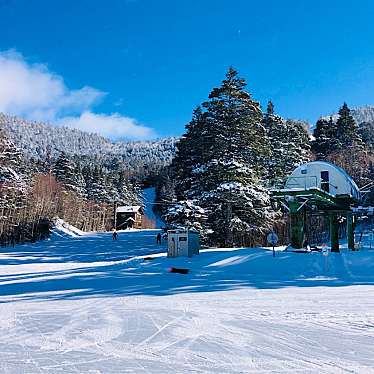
(129, 217)
(183, 243)
(324, 176)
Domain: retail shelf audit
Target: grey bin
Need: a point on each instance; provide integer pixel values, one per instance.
(183, 243)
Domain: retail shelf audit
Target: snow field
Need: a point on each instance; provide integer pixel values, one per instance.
(92, 305)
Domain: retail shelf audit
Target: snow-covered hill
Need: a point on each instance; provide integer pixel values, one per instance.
(38, 140)
(88, 305)
(360, 114)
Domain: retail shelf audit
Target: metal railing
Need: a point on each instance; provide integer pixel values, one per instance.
(306, 183)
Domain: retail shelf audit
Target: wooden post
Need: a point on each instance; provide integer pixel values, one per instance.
(115, 215)
(334, 233)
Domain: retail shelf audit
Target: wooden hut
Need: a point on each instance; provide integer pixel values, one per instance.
(129, 217)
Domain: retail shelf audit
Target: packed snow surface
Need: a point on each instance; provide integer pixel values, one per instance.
(87, 304)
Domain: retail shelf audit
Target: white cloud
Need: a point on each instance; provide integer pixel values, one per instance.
(114, 126)
(32, 91)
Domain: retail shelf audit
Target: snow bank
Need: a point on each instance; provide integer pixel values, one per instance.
(62, 228)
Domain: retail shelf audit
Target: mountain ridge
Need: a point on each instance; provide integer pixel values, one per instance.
(39, 140)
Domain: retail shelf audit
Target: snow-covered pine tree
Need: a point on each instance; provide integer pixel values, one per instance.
(347, 131)
(13, 169)
(190, 156)
(324, 138)
(277, 134)
(231, 148)
(297, 145)
(69, 174)
(13, 175)
(13, 189)
(95, 184)
(289, 146)
(367, 133)
(186, 214)
(122, 184)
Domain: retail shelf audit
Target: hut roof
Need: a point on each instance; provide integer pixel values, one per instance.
(129, 209)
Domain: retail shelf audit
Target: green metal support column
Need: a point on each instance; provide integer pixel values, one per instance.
(350, 232)
(334, 233)
(297, 225)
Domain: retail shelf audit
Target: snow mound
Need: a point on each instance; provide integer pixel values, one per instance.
(64, 229)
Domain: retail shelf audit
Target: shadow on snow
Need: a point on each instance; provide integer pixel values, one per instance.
(96, 266)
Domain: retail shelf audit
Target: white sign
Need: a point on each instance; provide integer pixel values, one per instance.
(272, 238)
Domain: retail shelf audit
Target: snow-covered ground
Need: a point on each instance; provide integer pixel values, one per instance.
(87, 304)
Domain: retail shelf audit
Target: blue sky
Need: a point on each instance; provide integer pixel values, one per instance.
(150, 63)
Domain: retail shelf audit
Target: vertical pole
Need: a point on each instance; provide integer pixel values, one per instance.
(350, 232)
(297, 225)
(334, 234)
(229, 238)
(115, 215)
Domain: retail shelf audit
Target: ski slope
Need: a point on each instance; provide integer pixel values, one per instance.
(149, 198)
(87, 304)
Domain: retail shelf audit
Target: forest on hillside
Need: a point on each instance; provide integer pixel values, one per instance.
(41, 142)
(48, 172)
(47, 175)
(31, 196)
(215, 178)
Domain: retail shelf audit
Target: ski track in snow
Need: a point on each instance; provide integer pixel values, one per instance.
(85, 305)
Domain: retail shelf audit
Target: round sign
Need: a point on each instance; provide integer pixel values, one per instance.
(272, 238)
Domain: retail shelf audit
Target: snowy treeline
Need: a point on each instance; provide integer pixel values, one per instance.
(230, 154)
(41, 141)
(363, 114)
(364, 117)
(341, 140)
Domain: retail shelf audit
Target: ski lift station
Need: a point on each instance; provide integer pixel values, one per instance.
(325, 177)
(183, 243)
(324, 189)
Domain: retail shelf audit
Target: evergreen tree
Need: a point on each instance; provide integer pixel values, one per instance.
(69, 174)
(347, 130)
(13, 174)
(297, 150)
(12, 164)
(186, 214)
(224, 148)
(324, 138)
(289, 145)
(277, 134)
(95, 184)
(367, 133)
(190, 156)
